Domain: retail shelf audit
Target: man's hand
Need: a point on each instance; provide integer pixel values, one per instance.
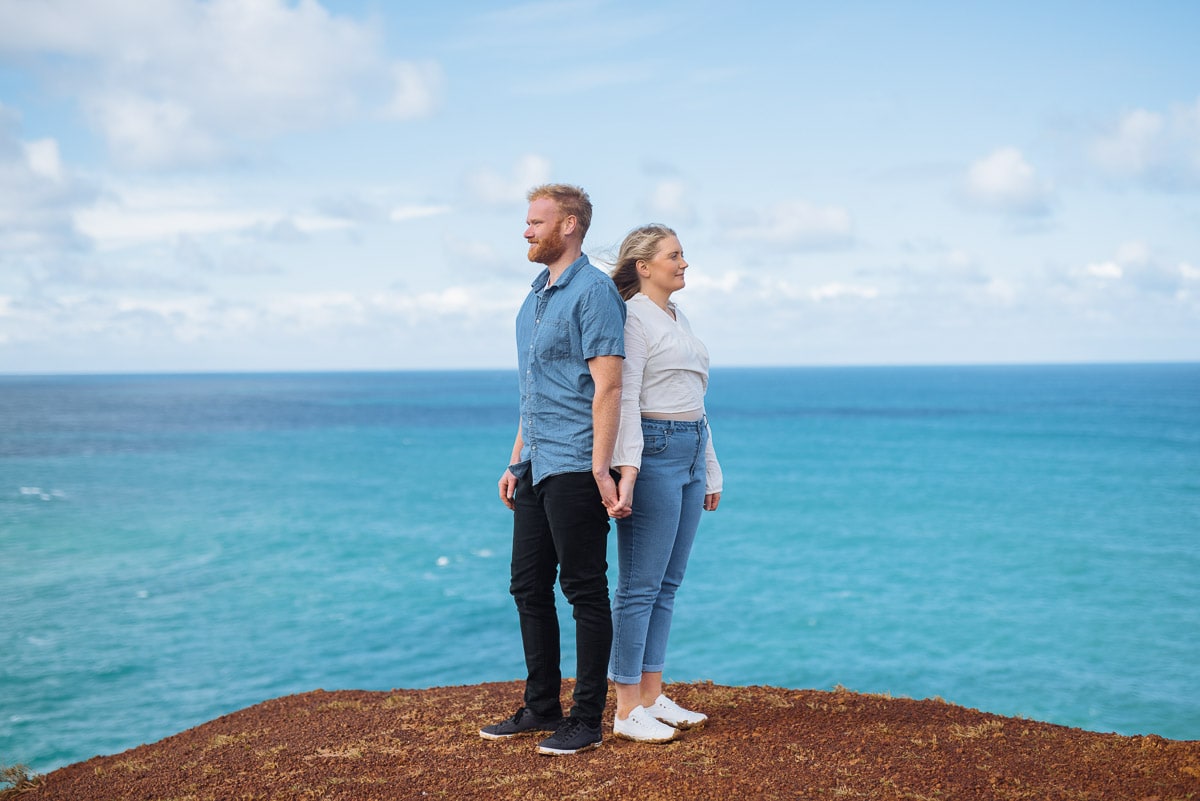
(608, 489)
(508, 488)
(606, 415)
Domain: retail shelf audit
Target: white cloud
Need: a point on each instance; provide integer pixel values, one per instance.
(1000, 290)
(300, 313)
(836, 290)
(464, 253)
(6, 310)
(775, 294)
(43, 159)
(1133, 253)
(1104, 270)
(1004, 181)
(138, 217)
(722, 284)
(670, 202)
(1159, 149)
(1130, 146)
(38, 195)
(417, 212)
(145, 132)
(301, 317)
(960, 259)
(417, 90)
(1135, 268)
(306, 223)
(490, 188)
(793, 225)
(185, 82)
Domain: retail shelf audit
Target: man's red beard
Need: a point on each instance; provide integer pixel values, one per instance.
(548, 249)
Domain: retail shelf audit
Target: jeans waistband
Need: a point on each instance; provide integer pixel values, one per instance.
(655, 424)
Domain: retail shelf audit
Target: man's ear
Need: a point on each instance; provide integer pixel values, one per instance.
(569, 224)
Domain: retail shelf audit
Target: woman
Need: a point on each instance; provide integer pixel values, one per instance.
(663, 446)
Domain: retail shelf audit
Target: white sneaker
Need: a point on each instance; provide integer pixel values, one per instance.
(641, 727)
(673, 714)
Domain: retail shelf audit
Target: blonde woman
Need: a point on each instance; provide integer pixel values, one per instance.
(669, 474)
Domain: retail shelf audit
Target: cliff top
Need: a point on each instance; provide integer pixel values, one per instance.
(760, 742)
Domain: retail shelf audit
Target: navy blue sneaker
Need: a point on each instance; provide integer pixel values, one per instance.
(571, 737)
(524, 721)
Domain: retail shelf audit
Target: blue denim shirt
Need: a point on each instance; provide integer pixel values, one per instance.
(558, 329)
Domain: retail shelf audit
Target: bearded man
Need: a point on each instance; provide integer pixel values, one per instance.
(559, 482)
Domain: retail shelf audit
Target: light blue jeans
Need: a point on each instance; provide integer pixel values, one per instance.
(653, 545)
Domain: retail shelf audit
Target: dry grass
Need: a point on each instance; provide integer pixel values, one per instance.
(760, 742)
(19, 781)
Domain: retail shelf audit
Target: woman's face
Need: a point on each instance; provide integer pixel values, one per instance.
(663, 274)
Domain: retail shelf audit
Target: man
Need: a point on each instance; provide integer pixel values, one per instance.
(570, 345)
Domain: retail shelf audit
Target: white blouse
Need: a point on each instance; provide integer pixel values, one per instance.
(665, 372)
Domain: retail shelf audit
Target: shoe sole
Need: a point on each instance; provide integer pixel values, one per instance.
(682, 725)
(489, 736)
(651, 740)
(563, 752)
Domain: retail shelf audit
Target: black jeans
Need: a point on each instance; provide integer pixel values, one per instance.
(561, 525)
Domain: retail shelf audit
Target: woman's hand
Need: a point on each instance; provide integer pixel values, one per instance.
(624, 504)
(711, 500)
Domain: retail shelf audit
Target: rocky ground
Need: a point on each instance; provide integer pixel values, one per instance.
(760, 743)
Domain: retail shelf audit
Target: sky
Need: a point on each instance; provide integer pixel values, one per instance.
(260, 185)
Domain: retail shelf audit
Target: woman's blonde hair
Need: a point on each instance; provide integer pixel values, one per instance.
(641, 244)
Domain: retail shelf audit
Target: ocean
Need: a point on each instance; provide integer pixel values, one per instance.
(1023, 540)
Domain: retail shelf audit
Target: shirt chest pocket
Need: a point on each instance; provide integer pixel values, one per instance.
(552, 339)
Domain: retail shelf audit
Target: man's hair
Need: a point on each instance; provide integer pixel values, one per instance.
(572, 201)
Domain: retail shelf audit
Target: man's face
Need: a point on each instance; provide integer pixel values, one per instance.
(544, 231)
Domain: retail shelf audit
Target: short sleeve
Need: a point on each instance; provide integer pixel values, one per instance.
(602, 321)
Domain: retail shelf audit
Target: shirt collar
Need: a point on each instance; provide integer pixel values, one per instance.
(539, 283)
(646, 299)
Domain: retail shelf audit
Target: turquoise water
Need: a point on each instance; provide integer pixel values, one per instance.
(1023, 540)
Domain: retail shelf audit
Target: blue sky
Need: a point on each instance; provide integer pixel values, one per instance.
(264, 185)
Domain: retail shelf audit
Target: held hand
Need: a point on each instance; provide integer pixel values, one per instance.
(624, 505)
(711, 500)
(608, 490)
(508, 489)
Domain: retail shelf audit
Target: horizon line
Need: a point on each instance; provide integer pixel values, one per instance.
(479, 369)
